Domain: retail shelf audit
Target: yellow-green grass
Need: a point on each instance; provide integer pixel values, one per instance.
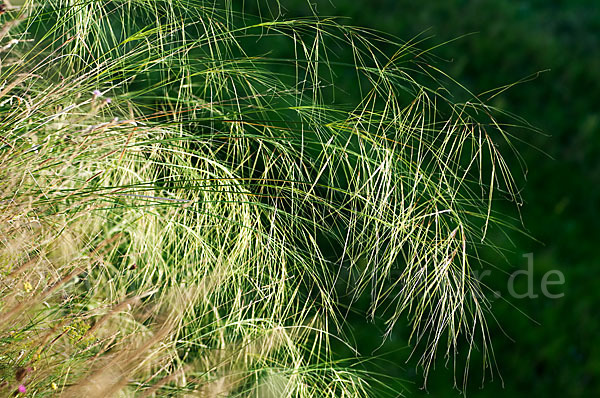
(183, 217)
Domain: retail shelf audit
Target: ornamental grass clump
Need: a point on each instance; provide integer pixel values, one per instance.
(185, 214)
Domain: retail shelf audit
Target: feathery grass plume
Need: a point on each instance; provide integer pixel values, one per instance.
(198, 166)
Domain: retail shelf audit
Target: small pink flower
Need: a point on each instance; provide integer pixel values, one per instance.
(96, 93)
(108, 100)
(22, 389)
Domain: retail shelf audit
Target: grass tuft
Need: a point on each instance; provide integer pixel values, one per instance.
(184, 212)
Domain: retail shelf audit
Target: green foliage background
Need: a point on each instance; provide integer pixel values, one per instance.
(557, 355)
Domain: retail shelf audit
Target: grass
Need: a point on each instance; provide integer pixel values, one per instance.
(203, 223)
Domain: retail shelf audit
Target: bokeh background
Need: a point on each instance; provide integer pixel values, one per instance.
(544, 347)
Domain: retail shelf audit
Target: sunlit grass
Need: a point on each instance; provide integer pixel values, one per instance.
(211, 213)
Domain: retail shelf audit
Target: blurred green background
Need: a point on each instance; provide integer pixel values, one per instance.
(545, 347)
